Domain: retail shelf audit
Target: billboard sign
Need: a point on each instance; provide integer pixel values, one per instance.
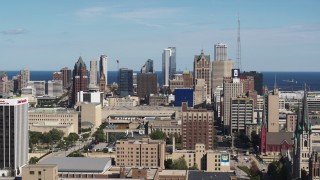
(225, 160)
(235, 73)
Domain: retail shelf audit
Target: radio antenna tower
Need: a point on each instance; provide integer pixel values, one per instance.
(238, 60)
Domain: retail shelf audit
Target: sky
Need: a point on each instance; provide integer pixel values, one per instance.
(49, 35)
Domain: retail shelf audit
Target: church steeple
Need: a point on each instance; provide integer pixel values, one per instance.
(305, 111)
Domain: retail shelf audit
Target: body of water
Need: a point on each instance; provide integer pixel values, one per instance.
(286, 81)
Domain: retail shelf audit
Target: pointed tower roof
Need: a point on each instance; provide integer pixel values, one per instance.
(199, 57)
(80, 63)
(305, 110)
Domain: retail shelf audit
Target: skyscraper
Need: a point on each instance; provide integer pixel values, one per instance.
(230, 90)
(57, 76)
(125, 82)
(148, 67)
(80, 79)
(168, 64)
(202, 70)
(272, 110)
(103, 80)
(4, 83)
(25, 77)
(146, 85)
(93, 73)
(66, 77)
(221, 66)
(14, 141)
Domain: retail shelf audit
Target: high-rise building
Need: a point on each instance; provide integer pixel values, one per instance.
(93, 73)
(202, 70)
(66, 77)
(4, 83)
(14, 139)
(168, 64)
(103, 79)
(258, 80)
(39, 86)
(57, 76)
(25, 77)
(125, 82)
(55, 88)
(200, 92)
(148, 67)
(80, 79)
(241, 114)
(184, 80)
(221, 66)
(272, 111)
(146, 85)
(230, 90)
(197, 127)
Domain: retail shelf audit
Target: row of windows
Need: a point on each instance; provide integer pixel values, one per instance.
(51, 115)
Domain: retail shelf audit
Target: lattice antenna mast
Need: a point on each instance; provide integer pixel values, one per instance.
(238, 60)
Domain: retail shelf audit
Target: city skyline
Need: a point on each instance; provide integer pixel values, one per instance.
(56, 33)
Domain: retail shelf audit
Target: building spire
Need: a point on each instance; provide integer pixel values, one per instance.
(305, 111)
(238, 62)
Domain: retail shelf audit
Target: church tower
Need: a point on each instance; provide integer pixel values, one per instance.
(303, 139)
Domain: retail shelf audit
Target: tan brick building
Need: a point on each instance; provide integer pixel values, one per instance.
(40, 171)
(45, 119)
(140, 153)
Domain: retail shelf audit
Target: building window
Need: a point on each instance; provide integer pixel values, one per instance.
(31, 172)
(39, 172)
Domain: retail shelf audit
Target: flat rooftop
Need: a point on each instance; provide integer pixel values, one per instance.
(79, 164)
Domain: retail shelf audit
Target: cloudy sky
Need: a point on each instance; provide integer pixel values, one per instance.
(48, 35)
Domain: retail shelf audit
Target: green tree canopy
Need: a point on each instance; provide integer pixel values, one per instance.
(180, 164)
(56, 134)
(158, 134)
(72, 137)
(35, 137)
(99, 135)
(33, 160)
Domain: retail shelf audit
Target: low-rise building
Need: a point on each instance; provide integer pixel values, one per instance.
(129, 101)
(140, 153)
(40, 171)
(209, 160)
(157, 100)
(45, 119)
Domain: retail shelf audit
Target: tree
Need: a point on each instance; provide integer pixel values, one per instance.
(33, 160)
(168, 164)
(85, 136)
(254, 173)
(180, 164)
(99, 135)
(56, 134)
(35, 137)
(277, 170)
(72, 137)
(46, 138)
(194, 167)
(76, 154)
(158, 134)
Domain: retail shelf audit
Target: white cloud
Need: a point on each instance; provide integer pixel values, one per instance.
(92, 12)
(14, 31)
